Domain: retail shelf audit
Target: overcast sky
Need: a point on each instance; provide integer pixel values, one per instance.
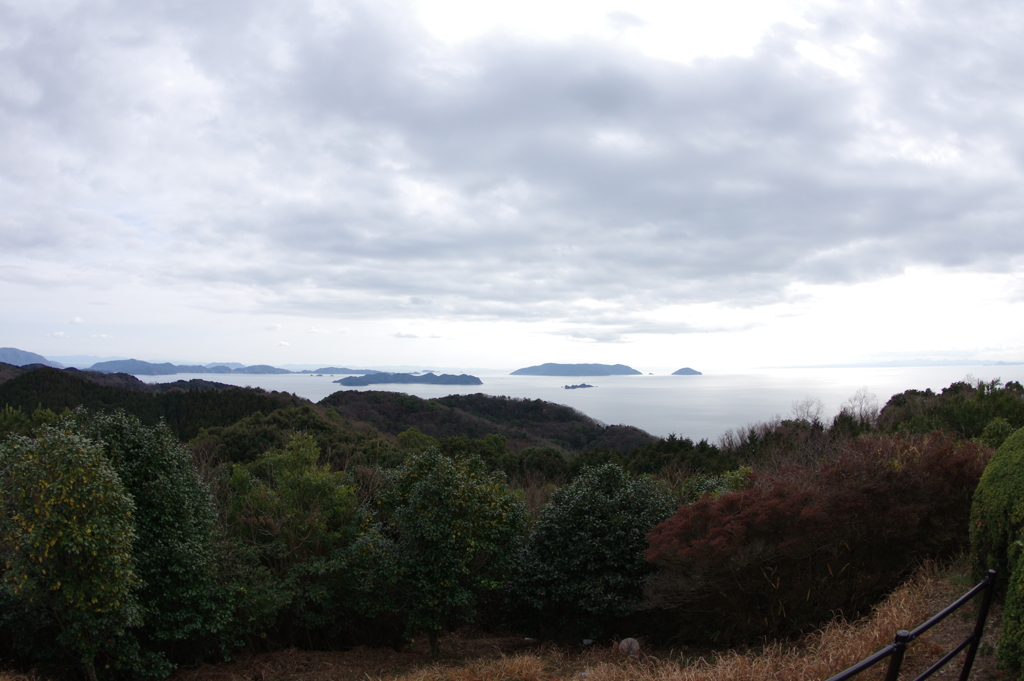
(499, 184)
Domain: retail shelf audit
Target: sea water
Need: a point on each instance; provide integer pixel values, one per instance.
(697, 407)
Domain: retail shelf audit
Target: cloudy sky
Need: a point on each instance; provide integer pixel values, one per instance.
(497, 184)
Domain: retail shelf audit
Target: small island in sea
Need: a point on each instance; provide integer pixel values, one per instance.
(551, 369)
(431, 378)
(577, 387)
(687, 371)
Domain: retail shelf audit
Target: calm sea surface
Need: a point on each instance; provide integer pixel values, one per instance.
(690, 406)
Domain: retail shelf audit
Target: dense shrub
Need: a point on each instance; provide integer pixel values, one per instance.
(997, 528)
(806, 544)
(583, 566)
(997, 511)
(1011, 638)
(66, 544)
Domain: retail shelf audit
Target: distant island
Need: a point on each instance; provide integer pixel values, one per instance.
(577, 387)
(381, 377)
(550, 369)
(687, 371)
(137, 367)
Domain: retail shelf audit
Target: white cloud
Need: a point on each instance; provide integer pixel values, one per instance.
(551, 168)
(77, 320)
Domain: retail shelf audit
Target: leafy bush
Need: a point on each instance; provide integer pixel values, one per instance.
(583, 565)
(809, 543)
(67, 546)
(997, 529)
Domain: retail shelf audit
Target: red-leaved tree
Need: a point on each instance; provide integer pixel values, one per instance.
(804, 545)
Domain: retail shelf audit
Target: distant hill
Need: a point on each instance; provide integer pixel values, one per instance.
(260, 369)
(20, 358)
(432, 379)
(339, 370)
(140, 368)
(524, 422)
(687, 371)
(186, 406)
(550, 369)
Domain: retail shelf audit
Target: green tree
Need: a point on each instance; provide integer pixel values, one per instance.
(584, 565)
(67, 535)
(14, 421)
(454, 530)
(412, 439)
(186, 613)
(296, 517)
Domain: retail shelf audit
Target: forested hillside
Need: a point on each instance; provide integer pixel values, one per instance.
(523, 422)
(184, 406)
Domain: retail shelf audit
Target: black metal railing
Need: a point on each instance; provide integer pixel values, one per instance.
(898, 648)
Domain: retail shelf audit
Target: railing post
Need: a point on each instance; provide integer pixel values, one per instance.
(899, 650)
(979, 626)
